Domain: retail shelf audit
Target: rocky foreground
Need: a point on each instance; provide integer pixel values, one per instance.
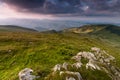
(97, 59)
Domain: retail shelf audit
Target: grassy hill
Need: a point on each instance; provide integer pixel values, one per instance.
(94, 29)
(108, 33)
(42, 51)
(12, 28)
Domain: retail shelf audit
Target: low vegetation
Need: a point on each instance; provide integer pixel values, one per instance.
(42, 51)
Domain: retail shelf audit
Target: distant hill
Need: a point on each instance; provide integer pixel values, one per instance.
(94, 29)
(40, 29)
(50, 31)
(106, 32)
(12, 28)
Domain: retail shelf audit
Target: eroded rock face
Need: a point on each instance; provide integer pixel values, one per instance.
(26, 74)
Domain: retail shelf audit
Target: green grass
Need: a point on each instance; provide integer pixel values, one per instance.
(41, 51)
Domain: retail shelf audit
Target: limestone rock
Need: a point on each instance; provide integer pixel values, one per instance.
(95, 49)
(25, 74)
(65, 65)
(57, 67)
(77, 65)
(70, 78)
(92, 65)
(77, 74)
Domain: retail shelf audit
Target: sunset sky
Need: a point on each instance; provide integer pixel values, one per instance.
(60, 9)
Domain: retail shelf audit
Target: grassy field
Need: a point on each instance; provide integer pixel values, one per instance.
(41, 51)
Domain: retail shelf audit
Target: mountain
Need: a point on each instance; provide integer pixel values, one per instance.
(106, 32)
(13, 28)
(95, 29)
(85, 55)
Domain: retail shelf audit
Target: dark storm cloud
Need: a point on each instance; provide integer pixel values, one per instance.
(79, 7)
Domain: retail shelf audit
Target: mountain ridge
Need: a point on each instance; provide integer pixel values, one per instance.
(14, 28)
(93, 28)
(106, 32)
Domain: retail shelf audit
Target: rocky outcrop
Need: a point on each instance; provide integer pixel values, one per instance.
(87, 55)
(26, 74)
(96, 59)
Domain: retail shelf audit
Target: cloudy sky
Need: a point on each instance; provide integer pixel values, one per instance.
(29, 13)
(42, 9)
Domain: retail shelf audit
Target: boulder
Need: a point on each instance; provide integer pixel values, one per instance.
(26, 74)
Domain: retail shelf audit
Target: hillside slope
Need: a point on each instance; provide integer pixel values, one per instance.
(108, 33)
(42, 51)
(11, 28)
(94, 29)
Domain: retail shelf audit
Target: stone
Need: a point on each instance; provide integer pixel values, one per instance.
(92, 65)
(77, 74)
(77, 58)
(70, 78)
(26, 74)
(65, 65)
(87, 55)
(57, 67)
(95, 49)
(77, 65)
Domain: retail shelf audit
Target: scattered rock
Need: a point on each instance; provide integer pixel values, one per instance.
(97, 60)
(26, 74)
